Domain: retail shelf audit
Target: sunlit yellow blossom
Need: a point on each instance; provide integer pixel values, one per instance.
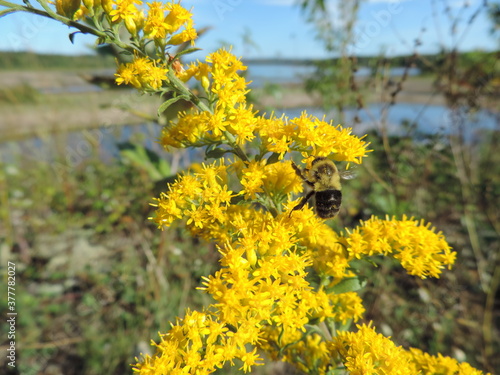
(347, 306)
(253, 176)
(311, 136)
(276, 134)
(142, 73)
(366, 352)
(420, 250)
(241, 122)
(281, 179)
(224, 67)
(428, 364)
(278, 178)
(323, 139)
(197, 344)
(165, 20)
(230, 93)
(177, 17)
(271, 290)
(189, 130)
(249, 359)
(202, 199)
(188, 35)
(155, 25)
(126, 11)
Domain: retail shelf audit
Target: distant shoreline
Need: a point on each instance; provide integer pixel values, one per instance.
(70, 110)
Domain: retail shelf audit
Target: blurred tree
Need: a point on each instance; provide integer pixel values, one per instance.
(334, 77)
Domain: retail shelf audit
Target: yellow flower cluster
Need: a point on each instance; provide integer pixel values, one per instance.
(199, 344)
(163, 21)
(232, 115)
(166, 24)
(278, 179)
(273, 295)
(285, 278)
(427, 364)
(142, 73)
(368, 352)
(420, 250)
(202, 198)
(268, 255)
(312, 137)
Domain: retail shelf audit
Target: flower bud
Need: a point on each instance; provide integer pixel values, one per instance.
(67, 8)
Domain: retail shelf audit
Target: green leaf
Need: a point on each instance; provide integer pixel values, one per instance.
(169, 102)
(347, 285)
(273, 158)
(215, 153)
(156, 167)
(186, 51)
(72, 36)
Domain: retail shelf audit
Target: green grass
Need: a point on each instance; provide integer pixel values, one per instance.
(96, 281)
(20, 94)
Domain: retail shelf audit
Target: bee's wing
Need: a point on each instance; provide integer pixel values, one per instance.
(347, 175)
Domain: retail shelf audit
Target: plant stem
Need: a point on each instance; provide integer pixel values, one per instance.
(49, 13)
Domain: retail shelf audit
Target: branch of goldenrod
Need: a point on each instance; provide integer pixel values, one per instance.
(181, 89)
(49, 13)
(488, 310)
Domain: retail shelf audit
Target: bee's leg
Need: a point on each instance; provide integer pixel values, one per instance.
(303, 202)
(301, 175)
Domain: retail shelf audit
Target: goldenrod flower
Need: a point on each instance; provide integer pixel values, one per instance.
(142, 73)
(281, 179)
(311, 136)
(427, 364)
(367, 352)
(198, 344)
(253, 176)
(177, 17)
(155, 25)
(420, 250)
(187, 35)
(346, 306)
(202, 199)
(125, 10)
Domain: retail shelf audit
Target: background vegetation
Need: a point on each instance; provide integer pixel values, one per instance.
(96, 281)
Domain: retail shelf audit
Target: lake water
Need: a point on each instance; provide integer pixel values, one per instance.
(260, 74)
(427, 119)
(430, 120)
(78, 146)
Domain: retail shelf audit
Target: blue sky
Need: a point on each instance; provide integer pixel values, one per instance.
(278, 28)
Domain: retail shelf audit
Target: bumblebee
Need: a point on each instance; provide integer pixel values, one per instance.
(324, 179)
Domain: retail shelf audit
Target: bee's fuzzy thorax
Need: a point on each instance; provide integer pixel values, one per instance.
(324, 175)
(324, 179)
